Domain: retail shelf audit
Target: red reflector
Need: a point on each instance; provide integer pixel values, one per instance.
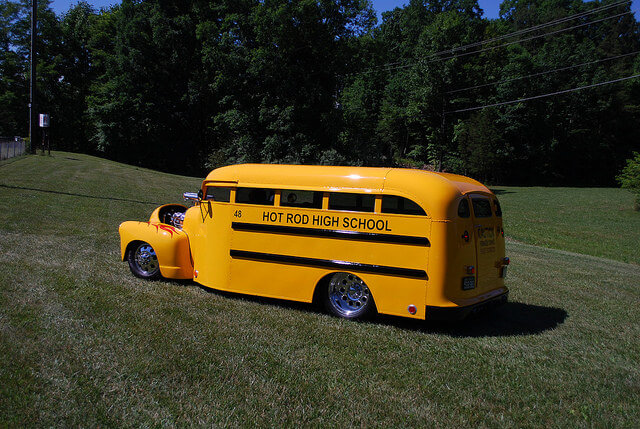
(412, 309)
(195, 274)
(465, 236)
(502, 232)
(506, 261)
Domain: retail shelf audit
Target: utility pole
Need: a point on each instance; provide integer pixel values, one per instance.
(33, 111)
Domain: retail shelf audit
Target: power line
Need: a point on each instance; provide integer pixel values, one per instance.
(464, 54)
(399, 64)
(541, 96)
(523, 31)
(541, 73)
(534, 28)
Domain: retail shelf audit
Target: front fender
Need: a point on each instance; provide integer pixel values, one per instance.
(171, 246)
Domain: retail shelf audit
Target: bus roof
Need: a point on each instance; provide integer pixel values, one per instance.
(431, 190)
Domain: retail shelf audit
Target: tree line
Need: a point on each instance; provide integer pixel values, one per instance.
(188, 86)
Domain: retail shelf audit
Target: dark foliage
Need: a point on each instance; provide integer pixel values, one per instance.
(188, 86)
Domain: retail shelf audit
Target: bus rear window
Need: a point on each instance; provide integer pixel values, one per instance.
(481, 207)
(218, 194)
(498, 208)
(400, 205)
(463, 208)
(351, 202)
(260, 196)
(304, 199)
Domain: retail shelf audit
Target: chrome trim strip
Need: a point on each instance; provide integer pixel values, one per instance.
(327, 263)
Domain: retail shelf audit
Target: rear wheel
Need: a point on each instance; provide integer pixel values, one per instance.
(348, 296)
(143, 261)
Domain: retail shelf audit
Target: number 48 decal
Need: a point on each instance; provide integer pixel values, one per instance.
(238, 213)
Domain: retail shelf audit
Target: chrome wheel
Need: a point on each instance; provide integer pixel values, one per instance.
(348, 296)
(144, 262)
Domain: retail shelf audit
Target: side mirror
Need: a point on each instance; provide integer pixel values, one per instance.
(200, 194)
(192, 196)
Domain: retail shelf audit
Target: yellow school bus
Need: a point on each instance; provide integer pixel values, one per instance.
(358, 240)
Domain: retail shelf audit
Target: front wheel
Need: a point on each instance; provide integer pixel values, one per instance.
(348, 296)
(143, 261)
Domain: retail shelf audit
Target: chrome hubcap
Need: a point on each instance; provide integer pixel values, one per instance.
(348, 294)
(146, 259)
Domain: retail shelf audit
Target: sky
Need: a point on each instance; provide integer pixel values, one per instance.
(490, 7)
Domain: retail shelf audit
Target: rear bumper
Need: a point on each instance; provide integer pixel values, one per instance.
(459, 313)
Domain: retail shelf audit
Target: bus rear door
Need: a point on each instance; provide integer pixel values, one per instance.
(487, 257)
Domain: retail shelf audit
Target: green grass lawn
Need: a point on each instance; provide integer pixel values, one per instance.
(83, 342)
(593, 221)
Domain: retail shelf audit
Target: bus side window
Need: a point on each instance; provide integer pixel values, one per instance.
(481, 207)
(463, 208)
(305, 199)
(400, 205)
(221, 195)
(259, 196)
(351, 202)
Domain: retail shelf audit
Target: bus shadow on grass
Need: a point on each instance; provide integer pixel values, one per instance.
(510, 319)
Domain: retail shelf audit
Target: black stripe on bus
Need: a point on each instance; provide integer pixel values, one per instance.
(331, 233)
(327, 263)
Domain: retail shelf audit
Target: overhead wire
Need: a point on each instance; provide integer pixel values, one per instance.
(464, 54)
(541, 73)
(534, 28)
(452, 54)
(435, 56)
(524, 30)
(542, 95)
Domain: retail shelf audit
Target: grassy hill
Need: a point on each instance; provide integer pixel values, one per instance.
(83, 342)
(594, 221)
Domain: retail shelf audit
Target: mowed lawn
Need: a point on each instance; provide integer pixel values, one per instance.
(593, 221)
(84, 343)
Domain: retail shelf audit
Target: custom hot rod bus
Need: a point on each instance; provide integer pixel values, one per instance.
(359, 240)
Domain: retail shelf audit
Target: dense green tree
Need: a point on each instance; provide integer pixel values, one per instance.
(410, 125)
(140, 105)
(629, 178)
(14, 65)
(480, 146)
(274, 68)
(13, 83)
(189, 86)
(76, 76)
(578, 138)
